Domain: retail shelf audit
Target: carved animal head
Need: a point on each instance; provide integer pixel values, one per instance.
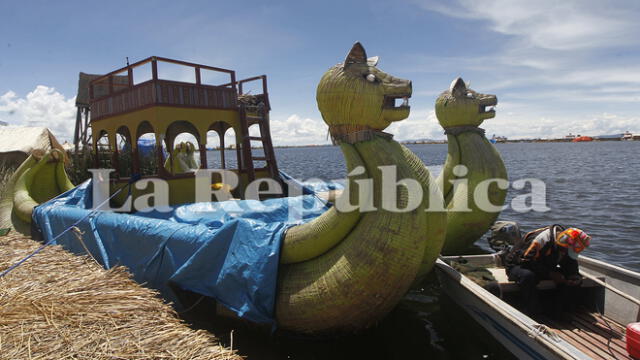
(181, 147)
(356, 93)
(190, 148)
(461, 106)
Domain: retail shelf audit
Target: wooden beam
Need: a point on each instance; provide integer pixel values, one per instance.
(136, 64)
(185, 63)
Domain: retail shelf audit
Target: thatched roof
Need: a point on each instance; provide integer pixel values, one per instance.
(17, 142)
(82, 99)
(59, 305)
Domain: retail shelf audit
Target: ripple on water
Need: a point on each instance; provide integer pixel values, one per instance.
(594, 186)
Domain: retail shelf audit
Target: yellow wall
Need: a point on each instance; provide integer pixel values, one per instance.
(182, 187)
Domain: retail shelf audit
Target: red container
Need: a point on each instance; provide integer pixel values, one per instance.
(633, 340)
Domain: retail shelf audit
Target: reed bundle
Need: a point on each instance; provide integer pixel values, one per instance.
(60, 306)
(251, 100)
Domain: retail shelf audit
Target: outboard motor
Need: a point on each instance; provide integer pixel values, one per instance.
(504, 234)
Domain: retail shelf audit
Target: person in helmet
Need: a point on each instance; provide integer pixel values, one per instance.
(547, 253)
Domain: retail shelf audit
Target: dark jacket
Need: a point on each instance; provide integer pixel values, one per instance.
(540, 254)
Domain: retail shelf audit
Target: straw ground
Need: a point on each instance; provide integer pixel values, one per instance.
(61, 306)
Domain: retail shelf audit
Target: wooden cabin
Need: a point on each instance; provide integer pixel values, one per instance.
(122, 112)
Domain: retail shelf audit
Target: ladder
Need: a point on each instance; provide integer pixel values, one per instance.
(252, 115)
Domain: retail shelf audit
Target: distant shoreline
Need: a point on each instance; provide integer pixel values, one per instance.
(440, 142)
(412, 142)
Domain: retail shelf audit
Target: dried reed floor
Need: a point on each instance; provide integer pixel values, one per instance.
(61, 306)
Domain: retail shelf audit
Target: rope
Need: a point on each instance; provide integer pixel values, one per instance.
(541, 329)
(74, 225)
(192, 306)
(352, 134)
(78, 233)
(604, 319)
(457, 130)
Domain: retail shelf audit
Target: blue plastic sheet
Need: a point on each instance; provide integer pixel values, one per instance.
(227, 250)
(312, 187)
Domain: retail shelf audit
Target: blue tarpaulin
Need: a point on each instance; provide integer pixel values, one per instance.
(226, 250)
(312, 187)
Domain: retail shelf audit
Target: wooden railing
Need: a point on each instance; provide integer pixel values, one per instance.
(111, 94)
(261, 78)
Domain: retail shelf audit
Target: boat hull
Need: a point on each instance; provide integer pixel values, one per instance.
(514, 330)
(616, 307)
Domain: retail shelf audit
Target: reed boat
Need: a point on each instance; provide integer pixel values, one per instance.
(337, 268)
(596, 330)
(266, 258)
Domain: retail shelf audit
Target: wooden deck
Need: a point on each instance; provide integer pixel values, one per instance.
(595, 335)
(591, 333)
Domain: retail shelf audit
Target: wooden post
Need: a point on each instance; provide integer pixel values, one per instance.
(160, 158)
(96, 160)
(223, 163)
(198, 79)
(115, 161)
(85, 127)
(130, 76)
(78, 129)
(264, 91)
(239, 155)
(233, 80)
(203, 156)
(154, 68)
(172, 152)
(135, 159)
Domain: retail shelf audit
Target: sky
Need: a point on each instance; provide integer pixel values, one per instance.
(556, 66)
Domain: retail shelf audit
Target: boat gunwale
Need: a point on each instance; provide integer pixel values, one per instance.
(586, 261)
(619, 271)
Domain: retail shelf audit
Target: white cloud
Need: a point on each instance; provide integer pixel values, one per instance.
(562, 66)
(296, 130)
(43, 106)
(552, 24)
(520, 122)
(421, 124)
(514, 120)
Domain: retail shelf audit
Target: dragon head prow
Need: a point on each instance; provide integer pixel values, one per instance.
(356, 93)
(461, 106)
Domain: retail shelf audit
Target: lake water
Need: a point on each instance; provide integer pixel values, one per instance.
(594, 186)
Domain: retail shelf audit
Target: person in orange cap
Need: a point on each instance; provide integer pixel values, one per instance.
(574, 241)
(547, 253)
